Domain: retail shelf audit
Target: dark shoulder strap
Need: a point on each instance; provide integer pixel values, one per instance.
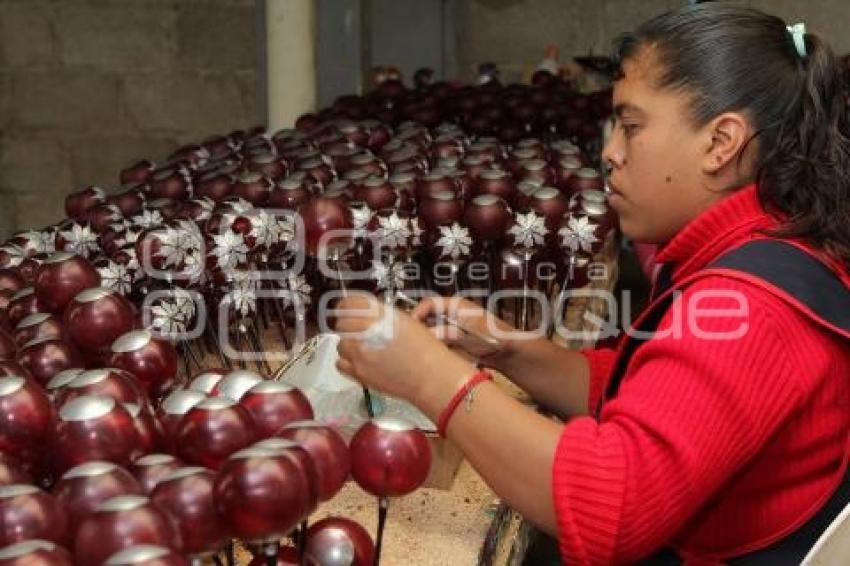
(781, 268)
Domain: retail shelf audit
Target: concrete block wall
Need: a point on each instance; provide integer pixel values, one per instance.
(514, 33)
(88, 85)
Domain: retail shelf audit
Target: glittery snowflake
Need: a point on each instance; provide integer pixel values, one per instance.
(80, 240)
(270, 229)
(529, 230)
(388, 276)
(239, 205)
(116, 276)
(579, 234)
(393, 232)
(298, 288)
(454, 241)
(360, 216)
(230, 249)
(148, 219)
(173, 313)
(181, 244)
(38, 242)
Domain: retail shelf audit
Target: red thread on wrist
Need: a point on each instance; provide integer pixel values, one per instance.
(462, 393)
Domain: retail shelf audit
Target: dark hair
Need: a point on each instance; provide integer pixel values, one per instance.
(732, 58)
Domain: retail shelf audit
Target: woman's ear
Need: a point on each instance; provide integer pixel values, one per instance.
(726, 137)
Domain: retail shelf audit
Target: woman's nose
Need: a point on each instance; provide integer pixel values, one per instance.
(612, 154)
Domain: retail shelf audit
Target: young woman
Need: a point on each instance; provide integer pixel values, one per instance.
(729, 430)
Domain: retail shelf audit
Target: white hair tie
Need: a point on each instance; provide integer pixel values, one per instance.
(798, 33)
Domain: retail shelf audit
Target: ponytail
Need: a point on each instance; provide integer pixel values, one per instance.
(731, 58)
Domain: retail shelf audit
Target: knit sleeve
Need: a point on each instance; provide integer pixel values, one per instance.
(601, 361)
(695, 405)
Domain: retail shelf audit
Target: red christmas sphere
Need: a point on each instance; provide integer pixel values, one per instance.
(60, 277)
(11, 280)
(236, 383)
(40, 325)
(22, 304)
(337, 540)
(148, 429)
(488, 217)
(187, 496)
(93, 427)
(207, 380)
(27, 512)
(45, 357)
(305, 462)
(129, 201)
(390, 457)
(152, 360)
(35, 552)
(172, 409)
(212, 430)
(146, 555)
(79, 202)
(96, 317)
(150, 469)
(26, 418)
(322, 216)
(60, 381)
(83, 488)
(138, 171)
(262, 494)
(118, 524)
(273, 404)
(328, 450)
(110, 382)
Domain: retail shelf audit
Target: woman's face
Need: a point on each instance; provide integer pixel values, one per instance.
(655, 155)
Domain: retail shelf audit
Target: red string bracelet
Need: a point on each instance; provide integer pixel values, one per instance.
(463, 393)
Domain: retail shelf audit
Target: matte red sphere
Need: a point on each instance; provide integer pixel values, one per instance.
(110, 382)
(150, 469)
(390, 457)
(187, 496)
(35, 552)
(328, 450)
(152, 360)
(119, 523)
(321, 216)
(40, 325)
(83, 488)
(212, 430)
(26, 418)
(45, 357)
(274, 404)
(337, 540)
(27, 512)
(96, 317)
(262, 494)
(146, 555)
(172, 409)
(60, 277)
(93, 427)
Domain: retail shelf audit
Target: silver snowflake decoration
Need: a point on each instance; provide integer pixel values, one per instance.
(121, 226)
(116, 276)
(207, 206)
(299, 289)
(181, 244)
(454, 241)
(360, 216)
(80, 240)
(15, 253)
(230, 249)
(172, 314)
(529, 230)
(270, 229)
(148, 219)
(388, 276)
(240, 205)
(579, 234)
(393, 232)
(244, 300)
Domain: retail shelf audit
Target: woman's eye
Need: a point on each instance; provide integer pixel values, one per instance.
(629, 129)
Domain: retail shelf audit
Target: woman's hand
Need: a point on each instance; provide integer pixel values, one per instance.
(487, 333)
(388, 350)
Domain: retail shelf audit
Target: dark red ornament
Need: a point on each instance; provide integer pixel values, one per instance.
(212, 430)
(488, 217)
(273, 404)
(36, 326)
(118, 524)
(83, 488)
(26, 419)
(22, 304)
(35, 552)
(322, 216)
(27, 512)
(11, 280)
(172, 409)
(150, 469)
(390, 457)
(96, 317)
(79, 202)
(153, 361)
(45, 357)
(328, 450)
(111, 382)
(60, 277)
(236, 383)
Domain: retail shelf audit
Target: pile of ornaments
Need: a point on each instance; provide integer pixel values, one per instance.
(120, 445)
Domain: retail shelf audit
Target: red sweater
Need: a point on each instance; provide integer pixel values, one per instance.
(714, 447)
